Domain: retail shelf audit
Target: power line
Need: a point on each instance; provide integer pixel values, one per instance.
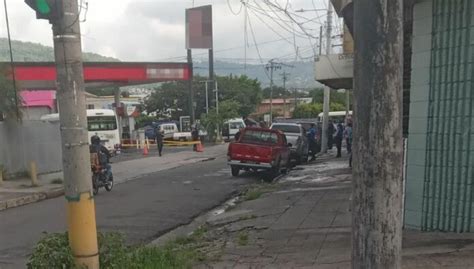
(11, 60)
(256, 46)
(231, 10)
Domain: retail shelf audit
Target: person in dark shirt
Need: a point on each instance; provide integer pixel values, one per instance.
(312, 141)
(103, 153)
(159, 141)
(339, 137)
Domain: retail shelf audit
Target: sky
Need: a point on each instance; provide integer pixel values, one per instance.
(154, 30)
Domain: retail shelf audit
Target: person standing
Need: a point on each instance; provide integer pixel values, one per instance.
(348, 136)
(330, 134)
(159, 141)
(339, 137)
(312, 141)
(195, 137)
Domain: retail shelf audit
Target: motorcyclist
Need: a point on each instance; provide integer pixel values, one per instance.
(103, 153)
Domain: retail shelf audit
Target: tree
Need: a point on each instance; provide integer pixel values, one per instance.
(245, 91)
(172, 99)
(278, 92)
(378, 144)
(227, 110)
(305, 111)
(9, 99)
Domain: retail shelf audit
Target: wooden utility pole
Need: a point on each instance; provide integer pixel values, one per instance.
(378, 144)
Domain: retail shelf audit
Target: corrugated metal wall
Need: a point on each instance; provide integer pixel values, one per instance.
(448, 189)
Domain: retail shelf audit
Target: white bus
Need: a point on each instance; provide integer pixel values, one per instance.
(336, 116)
(101, 122)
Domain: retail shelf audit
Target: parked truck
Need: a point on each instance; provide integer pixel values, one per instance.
(259, 149)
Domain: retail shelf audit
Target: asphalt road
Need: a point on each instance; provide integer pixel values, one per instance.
(142, 209)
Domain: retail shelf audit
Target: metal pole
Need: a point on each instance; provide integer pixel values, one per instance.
(217, 98)
(348, 104)
(271, 92)
(320, 40)
(207, 99)
(190, 87)
(296, 100)
(284, 93)
(211, 66)
(327, 90)
(81, 220)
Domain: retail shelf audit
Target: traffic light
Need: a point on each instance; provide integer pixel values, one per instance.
(46, 9)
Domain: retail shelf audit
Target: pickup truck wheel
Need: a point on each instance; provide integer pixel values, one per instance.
(235, 171)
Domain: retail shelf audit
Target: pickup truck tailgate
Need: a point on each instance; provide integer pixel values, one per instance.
(250, 153)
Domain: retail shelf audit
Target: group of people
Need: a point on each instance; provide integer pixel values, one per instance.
(337, 133)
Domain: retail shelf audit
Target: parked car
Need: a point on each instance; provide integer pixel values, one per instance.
(259, 149)
(296, 136)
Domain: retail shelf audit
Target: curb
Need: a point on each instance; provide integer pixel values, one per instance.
(57, 192)
(30, 198)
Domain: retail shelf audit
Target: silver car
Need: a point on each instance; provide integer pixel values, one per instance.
(296, 136)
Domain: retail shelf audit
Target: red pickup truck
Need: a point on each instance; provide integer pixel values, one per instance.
(259, 149)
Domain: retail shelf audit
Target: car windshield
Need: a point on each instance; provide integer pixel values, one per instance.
(236, 125)
(101, 123)
(258, 137)
(287, 128)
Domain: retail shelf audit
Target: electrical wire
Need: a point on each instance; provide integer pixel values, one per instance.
(11, 60)
(231, 10)
(256, 46)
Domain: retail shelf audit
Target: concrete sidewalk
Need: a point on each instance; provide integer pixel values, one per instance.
(305, 222)
(19, 192)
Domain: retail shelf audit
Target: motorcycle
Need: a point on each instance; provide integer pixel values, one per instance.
(100, 177)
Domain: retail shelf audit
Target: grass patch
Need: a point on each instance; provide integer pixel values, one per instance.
(243, 238)
(53, 251)
(257, 190)
(57, 181)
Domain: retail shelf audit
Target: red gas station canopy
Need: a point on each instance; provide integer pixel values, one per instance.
(42, 75)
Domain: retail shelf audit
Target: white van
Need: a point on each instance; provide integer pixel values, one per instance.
(168, 129)
(101, 122)
(231, 127)
(335, 116)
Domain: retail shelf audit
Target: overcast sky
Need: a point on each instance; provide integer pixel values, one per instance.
(153, 30)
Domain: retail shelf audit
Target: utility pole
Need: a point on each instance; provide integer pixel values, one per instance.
(378, 143)
(272, 65)
(285, 78)
(190, 86)
(118, 104)
(327, 90)
(81, 222)
(348, 105)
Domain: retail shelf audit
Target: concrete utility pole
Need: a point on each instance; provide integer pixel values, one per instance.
(327, 90)
(348, 104)
(75, 145)
(190, 86)
(378, 143)
(272, 65)
(118, 104)
(285, 78)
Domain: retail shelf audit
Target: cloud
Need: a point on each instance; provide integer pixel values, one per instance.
(151, 30)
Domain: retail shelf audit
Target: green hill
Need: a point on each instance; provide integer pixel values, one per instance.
(34, 52)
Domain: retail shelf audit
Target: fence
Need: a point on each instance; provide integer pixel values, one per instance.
(21, 143)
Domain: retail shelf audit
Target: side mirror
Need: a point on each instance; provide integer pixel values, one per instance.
(290, 145)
